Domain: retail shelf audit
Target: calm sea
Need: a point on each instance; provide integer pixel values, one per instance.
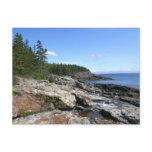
(125, 79)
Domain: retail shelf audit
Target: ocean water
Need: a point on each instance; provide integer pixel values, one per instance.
(124, 79)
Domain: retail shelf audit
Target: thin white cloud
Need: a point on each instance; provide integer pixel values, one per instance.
(51, 53)
(96, 56)
(92, 55)
(129, 69)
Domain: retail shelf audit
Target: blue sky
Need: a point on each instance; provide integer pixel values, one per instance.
(103, 50)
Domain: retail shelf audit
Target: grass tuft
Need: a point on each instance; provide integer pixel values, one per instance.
(16, 93)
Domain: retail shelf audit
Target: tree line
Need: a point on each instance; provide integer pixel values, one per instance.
(64, 69)
(32, 61)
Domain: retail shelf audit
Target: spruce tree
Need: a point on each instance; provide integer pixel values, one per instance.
(41, 55)
(18, 55)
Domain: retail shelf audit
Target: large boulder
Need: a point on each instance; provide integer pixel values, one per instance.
(65, 80)
(31, 86)
(25, 103)
(86, 99)
(31, 103)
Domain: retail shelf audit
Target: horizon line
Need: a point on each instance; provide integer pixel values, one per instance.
(125, 72)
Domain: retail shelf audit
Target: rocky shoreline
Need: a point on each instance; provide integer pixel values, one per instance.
(83, 76)
(68, 100)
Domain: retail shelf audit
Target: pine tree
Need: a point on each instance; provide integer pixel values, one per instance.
(30, 62)
(41, 55)
(18, 54)
(34, 48)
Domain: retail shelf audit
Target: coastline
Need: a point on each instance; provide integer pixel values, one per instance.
(88, 76)
(69, 95)
(122, 79)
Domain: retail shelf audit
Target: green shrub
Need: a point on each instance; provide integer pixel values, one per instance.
(51, 79)
(15, 81)
(39, 77)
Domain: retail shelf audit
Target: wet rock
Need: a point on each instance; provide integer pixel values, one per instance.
(127, 113)
(86, 99)
(134, 101)
(82, 100)
(89, 88)
(105, 121)
(123, 93)
(80, 85)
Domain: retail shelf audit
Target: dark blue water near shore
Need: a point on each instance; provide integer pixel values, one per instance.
(124, 79)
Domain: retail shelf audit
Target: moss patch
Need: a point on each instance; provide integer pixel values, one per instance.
(55, 100)
(31, 113)
(16, 93)
(28, 113)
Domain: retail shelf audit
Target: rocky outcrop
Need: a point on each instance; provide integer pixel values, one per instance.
(67, 98)
(125, 113)
(53, 117)
(83, 76)
(123, 93)
(31, 86)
